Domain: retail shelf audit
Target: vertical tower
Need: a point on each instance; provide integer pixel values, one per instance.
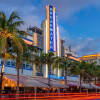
(51, 34)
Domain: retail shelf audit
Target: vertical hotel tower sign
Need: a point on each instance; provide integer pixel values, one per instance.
(51, 29)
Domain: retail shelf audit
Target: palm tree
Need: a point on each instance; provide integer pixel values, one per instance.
(21, 57)
(37, 61)
(5, 50)
(65, 66)
(48, 58)
(34, 58)
(93, 71)
(57, 63)
(79, 68)
(7, 56)
(9, 32)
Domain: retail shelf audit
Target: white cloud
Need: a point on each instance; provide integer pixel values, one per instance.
(25, 9)
(67, 8)
(33, 14)
(31, 21)
(85, 45)
(80, 45)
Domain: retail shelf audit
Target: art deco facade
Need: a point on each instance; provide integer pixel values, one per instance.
(45, 39)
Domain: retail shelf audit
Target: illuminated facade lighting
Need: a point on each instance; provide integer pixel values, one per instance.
(51, 29)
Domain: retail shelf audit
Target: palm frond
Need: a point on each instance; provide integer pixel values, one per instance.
(3, 21)
(13, 16)
(17, 23)
(2, 15)
(17, 41)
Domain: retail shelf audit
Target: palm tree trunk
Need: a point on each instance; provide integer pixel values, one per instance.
(65, 76)
(2, 70)
(80, 83)
(34, 70)
(95, 83)
(58, 71)
(95, 80)
(49, 72)
(17, 78)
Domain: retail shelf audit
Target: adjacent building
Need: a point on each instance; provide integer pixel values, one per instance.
(73, 56)
(91, 58)
(37, 38)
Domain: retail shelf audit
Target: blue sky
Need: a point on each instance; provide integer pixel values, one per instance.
(79, 20)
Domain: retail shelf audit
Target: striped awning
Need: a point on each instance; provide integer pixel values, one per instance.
(28, 81)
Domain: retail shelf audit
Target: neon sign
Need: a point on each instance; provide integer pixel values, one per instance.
(51, 28)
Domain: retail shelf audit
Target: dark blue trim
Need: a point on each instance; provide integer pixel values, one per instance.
(38, 48)
(26, 38)
(30, 41)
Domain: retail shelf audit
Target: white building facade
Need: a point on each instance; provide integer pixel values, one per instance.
(51, 38)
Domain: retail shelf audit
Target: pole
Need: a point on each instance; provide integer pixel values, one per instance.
(35, 89)
(87, 91)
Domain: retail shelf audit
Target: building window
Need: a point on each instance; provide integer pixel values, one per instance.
(8, 63)
(13, 63)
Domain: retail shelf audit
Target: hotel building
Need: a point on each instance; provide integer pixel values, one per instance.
(46, 39)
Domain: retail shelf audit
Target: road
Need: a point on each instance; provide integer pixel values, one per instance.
(54, 96)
